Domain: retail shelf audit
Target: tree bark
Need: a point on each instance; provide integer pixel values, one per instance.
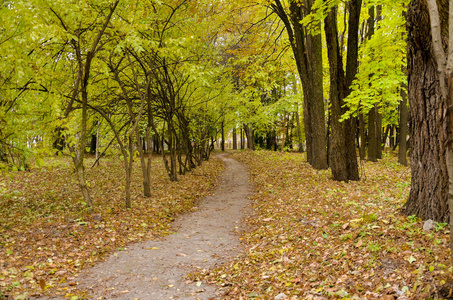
(307, 50)
(299, 132)
(235, 139)
(284, 133)
(242, 139)
(402, 129)
(93, 144)
(343, 157)
(249, 133)
(374, 135)
(222, 143)
(391, 136)
(98, 142)
(362, 135)
(428, 133)
(144, 166)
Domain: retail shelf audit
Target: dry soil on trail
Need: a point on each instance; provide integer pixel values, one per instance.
(204, 238)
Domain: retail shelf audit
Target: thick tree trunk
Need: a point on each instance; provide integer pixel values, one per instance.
(307, 49)
(429, 185)
(249, 132)
(343, 158)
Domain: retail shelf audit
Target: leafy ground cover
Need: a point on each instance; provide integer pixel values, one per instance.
(312, 237)
(47, 235)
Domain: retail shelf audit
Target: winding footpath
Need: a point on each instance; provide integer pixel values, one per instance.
(204, 238)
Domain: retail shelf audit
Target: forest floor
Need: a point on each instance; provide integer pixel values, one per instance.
(311, 237)
(47, 236)
(203, 238)
(306, 236)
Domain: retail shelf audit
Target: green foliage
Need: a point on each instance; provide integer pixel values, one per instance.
(381, 76)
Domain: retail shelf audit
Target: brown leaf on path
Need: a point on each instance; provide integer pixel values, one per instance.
(359, 243)
(42, 283)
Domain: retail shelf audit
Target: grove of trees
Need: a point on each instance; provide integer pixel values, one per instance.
(174, 77)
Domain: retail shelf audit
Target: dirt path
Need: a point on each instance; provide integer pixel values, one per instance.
(204, 238)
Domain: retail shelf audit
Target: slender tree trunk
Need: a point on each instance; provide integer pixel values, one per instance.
(98, 142)
(128, 161)
(362, 135)
(299, 132)
(242, 138)
(402, 134)
(144, 167)
(284, 133)
(374, 135)
(93, 144)
(391, 136)
(80, 171)
(235, 139)
(379, 140)
(374, 117)
(222, 143)
(79, 151)
(289, 132)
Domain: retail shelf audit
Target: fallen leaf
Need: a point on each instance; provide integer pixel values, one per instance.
(359, 243)
(411, 259)
(42, 283)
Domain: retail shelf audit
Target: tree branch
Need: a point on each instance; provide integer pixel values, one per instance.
(439, 53)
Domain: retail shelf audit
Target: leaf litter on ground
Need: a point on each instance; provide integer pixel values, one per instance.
(47, 234)
(311, 237)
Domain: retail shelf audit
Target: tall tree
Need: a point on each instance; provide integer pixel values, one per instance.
(429, 88)
(80, 47)
(374, 116)
(306, 45)
(343, 157)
